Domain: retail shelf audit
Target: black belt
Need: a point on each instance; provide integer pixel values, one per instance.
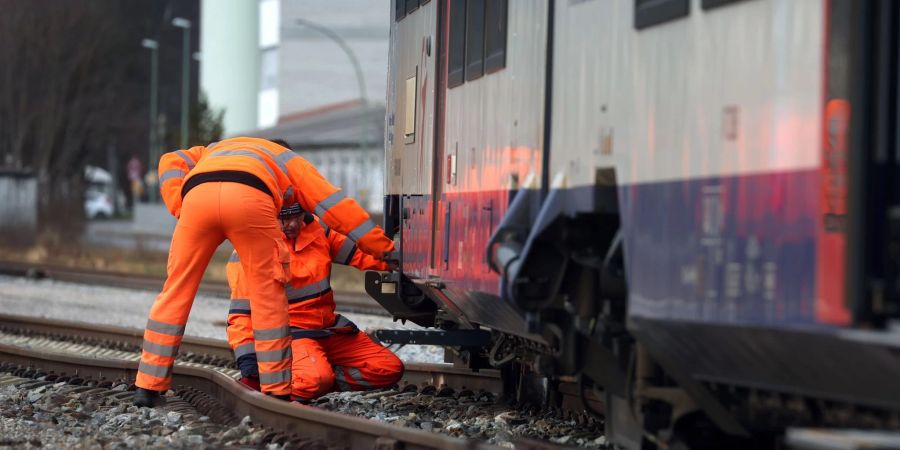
(232, 176)
(342, 325)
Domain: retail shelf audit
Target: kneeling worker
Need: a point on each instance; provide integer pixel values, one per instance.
(329, 352)
(233, 190)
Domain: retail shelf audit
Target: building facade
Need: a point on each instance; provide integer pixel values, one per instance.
(292, 74)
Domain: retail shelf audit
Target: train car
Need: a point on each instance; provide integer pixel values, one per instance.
(688, 205)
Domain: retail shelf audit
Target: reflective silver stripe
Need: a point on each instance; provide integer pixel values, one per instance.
(361, 230)
(244, 349)
(187, 159)
(346, 252)
(310, 289)
(329, 202)
(325, 228)
(284, 157)
(274, 157)
(289, 193)
(154, 370)
(159, 349)
(358, 378)
(274, 355)
(234, 257)
(239, 303)
(271, 333)
(246, 153)
(212, 145)
(165, 328)
(171, 173)
(275, 377)
(340, 380)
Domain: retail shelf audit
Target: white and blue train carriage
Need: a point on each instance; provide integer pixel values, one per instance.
(692, 205)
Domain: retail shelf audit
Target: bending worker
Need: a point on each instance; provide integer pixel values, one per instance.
(233, 190)
(329, 351)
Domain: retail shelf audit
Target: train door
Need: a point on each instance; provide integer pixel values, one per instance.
(870, 154)
(411, 139)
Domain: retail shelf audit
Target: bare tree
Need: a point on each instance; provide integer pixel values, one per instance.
(60, 88)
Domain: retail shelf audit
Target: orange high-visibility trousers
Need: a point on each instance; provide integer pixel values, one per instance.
(342, 361)
(211, 213)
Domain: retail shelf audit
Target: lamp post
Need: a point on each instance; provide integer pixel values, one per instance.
(153, 46)
(185, 25)
(359, 76)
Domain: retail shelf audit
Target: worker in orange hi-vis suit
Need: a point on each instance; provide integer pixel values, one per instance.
(329, 351)
(233, 189)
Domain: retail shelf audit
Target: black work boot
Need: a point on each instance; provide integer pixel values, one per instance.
(146, 397)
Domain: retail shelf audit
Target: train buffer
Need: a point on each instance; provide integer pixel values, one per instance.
(461, 338)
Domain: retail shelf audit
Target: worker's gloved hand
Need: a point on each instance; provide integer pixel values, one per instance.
(392, 259)
(251, 382)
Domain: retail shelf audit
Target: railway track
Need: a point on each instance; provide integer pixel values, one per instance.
(69, 336)
(346, 301)
(220, 391)
(204, 371)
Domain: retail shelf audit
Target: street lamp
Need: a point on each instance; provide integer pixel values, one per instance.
(359, 76)
(153, 46)
(185, 25)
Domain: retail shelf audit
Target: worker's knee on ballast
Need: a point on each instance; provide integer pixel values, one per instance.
(311, 385)
(391, 368)
(385, 372)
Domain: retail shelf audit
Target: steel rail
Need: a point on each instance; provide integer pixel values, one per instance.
(416, 373)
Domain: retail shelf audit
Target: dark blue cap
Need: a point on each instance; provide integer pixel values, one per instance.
(293, 210)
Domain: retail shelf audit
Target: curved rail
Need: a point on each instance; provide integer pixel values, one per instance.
(336, 429)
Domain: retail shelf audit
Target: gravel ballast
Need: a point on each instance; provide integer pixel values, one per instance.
(55, 417)
(129, 308)
(59, 415)
(474, 415)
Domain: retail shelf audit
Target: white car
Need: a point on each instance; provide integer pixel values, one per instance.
(97, 205)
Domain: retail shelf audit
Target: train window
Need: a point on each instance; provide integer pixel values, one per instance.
(709, 4)
(409, 112)
(652, 12)
(457, 45)
(411, 5)
(474, 39)
(495, 35)
(399, 9)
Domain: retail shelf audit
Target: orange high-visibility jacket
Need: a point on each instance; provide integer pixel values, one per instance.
(288, 177)
(310, 299)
